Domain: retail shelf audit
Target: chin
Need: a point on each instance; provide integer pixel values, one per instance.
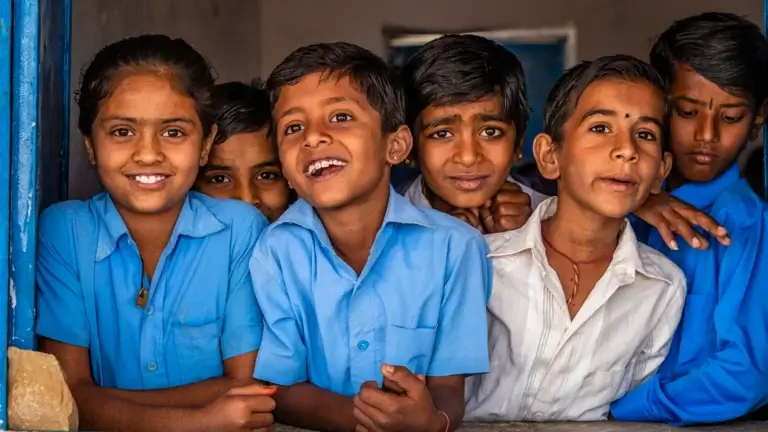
(617, 210)
(469, 200)
(153, 205)
(329, 199)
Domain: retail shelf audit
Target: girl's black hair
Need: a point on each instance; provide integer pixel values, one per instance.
(189, 69)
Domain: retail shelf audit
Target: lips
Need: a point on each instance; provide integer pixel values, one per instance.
(702, 157)
(468, 182)
(153, 180)
(620, 183)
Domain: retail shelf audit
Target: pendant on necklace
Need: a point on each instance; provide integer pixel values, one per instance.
(142, 298)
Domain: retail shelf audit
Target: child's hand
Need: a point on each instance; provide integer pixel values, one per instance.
(470, 216)
(406, 406)
(247, 408)
(508, 210)
(671, 216)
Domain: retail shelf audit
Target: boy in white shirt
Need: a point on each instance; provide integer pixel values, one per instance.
(580, 311)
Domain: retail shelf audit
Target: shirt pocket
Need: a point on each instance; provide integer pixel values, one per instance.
(198, 351)
(410, 347)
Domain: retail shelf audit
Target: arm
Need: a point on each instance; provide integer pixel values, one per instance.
(461, 345)
(283, 358)
(660, 339)
(734, 380)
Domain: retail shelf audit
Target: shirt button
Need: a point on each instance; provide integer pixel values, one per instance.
(362, 345)
(152, 367)
(149, 311)
(538, 415)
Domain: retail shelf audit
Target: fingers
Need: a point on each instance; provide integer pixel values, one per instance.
(368, 416)
(393, 387)
(260, 421)
(707, 223)
(377, 398)
(253, 390)
(680, 226)
(468, 216)
(412, 384)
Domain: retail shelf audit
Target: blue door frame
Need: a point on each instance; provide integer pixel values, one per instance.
(34, 130)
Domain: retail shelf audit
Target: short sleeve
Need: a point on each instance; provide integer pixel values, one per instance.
(61, 312)
(243, 322)
(282, 358)
(461, 345)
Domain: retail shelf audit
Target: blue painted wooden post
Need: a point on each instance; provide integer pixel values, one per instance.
(5, 164)
(24, 161)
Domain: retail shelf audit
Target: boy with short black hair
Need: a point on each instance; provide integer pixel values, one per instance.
(714, 66)
(243, 163)
(468, 109)
(374, 308)
(568, 283)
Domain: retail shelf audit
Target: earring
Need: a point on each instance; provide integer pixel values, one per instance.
(395, 157)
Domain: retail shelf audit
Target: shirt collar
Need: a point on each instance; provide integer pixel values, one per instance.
(399, 211)
(528, 237)
(702, 195)
(195, 220)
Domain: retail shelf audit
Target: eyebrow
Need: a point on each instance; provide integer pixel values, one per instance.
(612, 113)
(137, 120)
(441, 121)
(219, 167)
(702, 103)
(329, 101)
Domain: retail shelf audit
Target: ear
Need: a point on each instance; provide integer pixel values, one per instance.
(757, 123)
(399, 145)
(545, 152)
(89, 150)
(207, 145)
(661, 176)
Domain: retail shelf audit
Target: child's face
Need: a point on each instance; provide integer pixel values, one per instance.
(466, 150)
(147, 144)
(611, 157)
(331, 144)
(708, 126)
(246, 167)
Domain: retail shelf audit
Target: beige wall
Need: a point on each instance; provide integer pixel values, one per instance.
(244, 38)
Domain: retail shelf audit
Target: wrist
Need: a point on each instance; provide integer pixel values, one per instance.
(440, 422)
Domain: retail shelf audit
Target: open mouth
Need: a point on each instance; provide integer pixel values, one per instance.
(619, 184)
(325, 168)
(148, 181)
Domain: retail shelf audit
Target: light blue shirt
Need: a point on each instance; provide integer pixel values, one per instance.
(419, 302)
(201, 307)
(717, 366)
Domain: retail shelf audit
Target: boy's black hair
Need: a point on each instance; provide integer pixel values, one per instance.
(240, 108)
(465, 68)
(565, 95)
(367, 71)
(724, 48)
(754, 171)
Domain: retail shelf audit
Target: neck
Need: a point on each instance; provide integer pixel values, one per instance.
(434, 200)
(150, 231)
(353, 228)
(581, 234)
(675, 180)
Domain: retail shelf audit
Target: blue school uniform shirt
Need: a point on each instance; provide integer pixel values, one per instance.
(717, 366)
(419, 302)
(201, 307)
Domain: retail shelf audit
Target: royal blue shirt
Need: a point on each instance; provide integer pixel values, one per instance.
(717, 367)
(419, 302)
(201, 307)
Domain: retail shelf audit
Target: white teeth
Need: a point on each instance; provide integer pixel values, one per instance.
(325, 163)
(149, 179)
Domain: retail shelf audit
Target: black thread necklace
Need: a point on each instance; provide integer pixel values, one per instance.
(142, 298)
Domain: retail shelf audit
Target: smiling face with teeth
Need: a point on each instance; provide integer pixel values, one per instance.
(331, 143)
(147, 143)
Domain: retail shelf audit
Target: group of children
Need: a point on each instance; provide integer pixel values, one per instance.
(249, 261)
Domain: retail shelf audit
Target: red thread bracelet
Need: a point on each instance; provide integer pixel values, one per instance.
(447, 421)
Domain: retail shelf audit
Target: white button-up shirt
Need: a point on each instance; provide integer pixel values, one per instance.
(545, 366)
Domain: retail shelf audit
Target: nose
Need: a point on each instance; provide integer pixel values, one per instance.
(706, 129)
(148, 150)
(625, 149)
(248, 192)
(315, 135)
(468, 149)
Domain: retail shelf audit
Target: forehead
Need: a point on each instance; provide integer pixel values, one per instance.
(319, 87)
(687, 82)
(636, 98)
(490, 105)
(147, 96)
(244, 148)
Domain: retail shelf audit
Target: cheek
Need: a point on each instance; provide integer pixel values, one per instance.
(433, 157)
(733, 136)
